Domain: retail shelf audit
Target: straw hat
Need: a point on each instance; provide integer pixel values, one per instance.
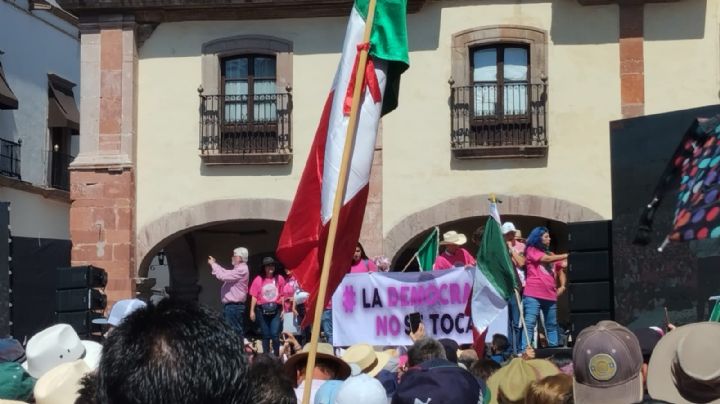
(324, 351)
(453, 237)
(514, 378)
(687, 356)
(55, 345)
(61, 384)
(365, 357)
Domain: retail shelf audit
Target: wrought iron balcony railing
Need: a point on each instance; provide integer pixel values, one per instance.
(242, 129)
(496, 121)
(10, 158)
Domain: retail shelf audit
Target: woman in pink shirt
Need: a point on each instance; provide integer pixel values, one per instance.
(540, 291)
(266, 292)
(361, 262)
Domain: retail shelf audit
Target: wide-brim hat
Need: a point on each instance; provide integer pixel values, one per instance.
(365, 357)
(325, 352)
(515, 377)
(690, 354)
(120, 310)
(55, 345)
(61, 384)
(453, 237)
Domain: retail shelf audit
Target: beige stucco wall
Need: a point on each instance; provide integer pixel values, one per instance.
(34, 216)
(682, 51)
(419, 171)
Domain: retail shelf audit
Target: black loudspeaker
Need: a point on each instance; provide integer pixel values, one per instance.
(80, 277)
(590, 274)
(81, 321)
(79, 299)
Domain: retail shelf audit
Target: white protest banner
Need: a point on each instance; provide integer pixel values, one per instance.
(374, 308)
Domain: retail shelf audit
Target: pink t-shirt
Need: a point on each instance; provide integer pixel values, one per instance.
(450, 261)
(540, 281)
(267, 290)
(519, 248)
(363, 266)
(288, 293)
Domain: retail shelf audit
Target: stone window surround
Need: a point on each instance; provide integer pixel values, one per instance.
(463, 41)
(215, 50)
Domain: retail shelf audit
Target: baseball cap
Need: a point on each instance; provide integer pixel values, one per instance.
(684, 365)
(507, 227)
(607, 361)
(120, 310)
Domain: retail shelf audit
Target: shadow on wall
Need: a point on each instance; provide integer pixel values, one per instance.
(496, 164)
(257, 170)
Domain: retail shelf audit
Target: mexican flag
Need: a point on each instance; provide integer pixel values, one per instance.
(302, 241)
(495, 275)
(428, 251)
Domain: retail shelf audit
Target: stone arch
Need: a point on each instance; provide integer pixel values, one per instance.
(466, 206)
(153, 236)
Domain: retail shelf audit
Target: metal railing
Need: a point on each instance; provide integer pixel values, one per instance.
(242, 124)
(10, 158)
(498, 116)
(59, 170)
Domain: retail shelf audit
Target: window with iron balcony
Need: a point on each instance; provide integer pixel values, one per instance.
(498, 93)
(245, 118)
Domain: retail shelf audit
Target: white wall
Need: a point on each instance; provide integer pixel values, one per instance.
(35, 43)
(32, 215)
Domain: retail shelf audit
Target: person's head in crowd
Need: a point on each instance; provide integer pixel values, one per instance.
(268, 383)
(240, 255)
(483, 368)
(648, 339)
(11, 350)
(563, 361)
(467, 357)
(365, 357)
(539, 238)
(451, 347)
(509, 385)
(87, 394)
(361, 388)
(607, 365)
(424, 350)
(327, 365)
(555, 389)
(452, 240)
(61, 384)
(269, 267)
(437, 380)
(383, 263)
(499, 344)
(15, 382)
(173, 352)
(118, 312)
(685, 365)
(508, 231)
(359, 254)
(56, 345)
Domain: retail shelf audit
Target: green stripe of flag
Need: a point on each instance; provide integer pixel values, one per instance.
(494, 261)
(428, 251)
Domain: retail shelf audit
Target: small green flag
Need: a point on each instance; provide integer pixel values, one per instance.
(428, 251)
(493, 258)
(715, 315)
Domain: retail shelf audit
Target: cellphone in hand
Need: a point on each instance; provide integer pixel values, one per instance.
(415, 320)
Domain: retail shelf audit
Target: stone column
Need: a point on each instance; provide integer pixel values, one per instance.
(371, 235)
(632, 60)
(102, 176)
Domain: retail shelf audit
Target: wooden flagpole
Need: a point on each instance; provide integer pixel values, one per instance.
(339, 197)
(493, 199)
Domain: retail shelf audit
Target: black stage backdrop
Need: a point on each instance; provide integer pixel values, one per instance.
(684, 275)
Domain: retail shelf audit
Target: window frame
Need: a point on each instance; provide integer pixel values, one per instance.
(250, 82)
(500, 79)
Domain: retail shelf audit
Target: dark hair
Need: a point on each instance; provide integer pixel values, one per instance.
(329, 367)
(268, 382)
(88, 389)
(535, 239)
(425, 349)
(561, 359)
(363, 256)
(482, 369)
(172, 352)
(451, 348)
(500, 342)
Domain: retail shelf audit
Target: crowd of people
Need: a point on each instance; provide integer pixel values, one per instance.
(179, 352)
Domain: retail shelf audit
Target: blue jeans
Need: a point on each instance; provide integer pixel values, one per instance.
(514, 326)
(532, 308)
(270, 328)
(326, 324)
(234, 315)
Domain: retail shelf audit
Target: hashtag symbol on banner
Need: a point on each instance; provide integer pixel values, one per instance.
(349, 299)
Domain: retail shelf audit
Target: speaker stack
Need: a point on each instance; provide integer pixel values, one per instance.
(77, 298)
(590, 274)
